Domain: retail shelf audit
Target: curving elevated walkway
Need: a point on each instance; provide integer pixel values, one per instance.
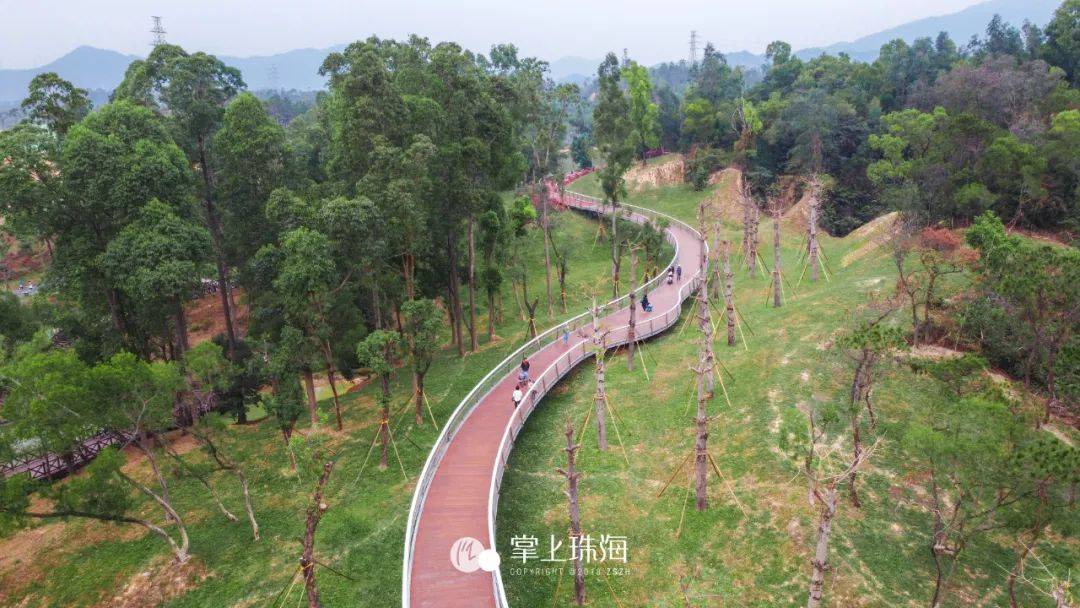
(458, 490)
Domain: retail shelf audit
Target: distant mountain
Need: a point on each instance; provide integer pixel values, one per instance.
(961, 26)
(297, 69)
(87, 67)
(101, 70)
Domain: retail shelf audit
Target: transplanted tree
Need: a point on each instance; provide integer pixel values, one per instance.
(377, 352)
(103, 492)
(644, 114)
(309, 283)
(208, 371)
(422, 327)
(48, 402)
(1039, 286)
(192, 90)
(612, 130)
(113, 162)
(156, 261)
(964, 447)
(55, 103)
(139, 397)
(253, 161)
(866, 345)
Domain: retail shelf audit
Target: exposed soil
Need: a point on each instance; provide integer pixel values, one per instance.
(654, 175)
(875, 233)
(205, 319)
(162, 581)
(726, 200)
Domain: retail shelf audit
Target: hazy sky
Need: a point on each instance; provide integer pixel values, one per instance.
(35, 32)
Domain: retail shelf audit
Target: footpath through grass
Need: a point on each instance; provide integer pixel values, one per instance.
(80, 563)
(753, 546)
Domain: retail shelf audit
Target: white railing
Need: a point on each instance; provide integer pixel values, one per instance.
(510, 364)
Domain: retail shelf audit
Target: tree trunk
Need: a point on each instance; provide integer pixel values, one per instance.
(384, 424)
(631, 335)
(216, 238)
(376, 305)
(247, 501)
(811, 241)
(491, 315)
(574, 510)
(309, 386)
(315, 511)
(616, 255)
(472, 287)
(181, 327)
(333, 385)
(418, 383)
(701, 452)
(821, 553)
(729, 295)
(777, 286)
(857, 450)
(455, 292)
(601, 394)
(547, 257)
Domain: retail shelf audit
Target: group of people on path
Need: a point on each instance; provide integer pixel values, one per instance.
(674, 274)
(522, 383)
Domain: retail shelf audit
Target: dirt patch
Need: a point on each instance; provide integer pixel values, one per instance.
(726, 198)
(667, 173)
(935, 353)
(205, 319)
(162, 581)
(875, 233)
(20, 562)
(16, 263)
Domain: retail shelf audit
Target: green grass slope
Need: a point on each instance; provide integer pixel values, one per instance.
(79, 563)
(753, 546)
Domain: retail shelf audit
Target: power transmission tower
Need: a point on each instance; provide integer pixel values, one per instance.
(693, 48)
(158, 31)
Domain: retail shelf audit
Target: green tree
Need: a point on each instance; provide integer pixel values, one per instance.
(1038, 286)
(377, 352)
(1062, 46)
(644, 114)
(192, 90)
(156, 261)
(612, 131)
(422, 327)
(965, 448)
(55, 103)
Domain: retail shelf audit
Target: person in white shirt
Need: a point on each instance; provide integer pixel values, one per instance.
(517, 396)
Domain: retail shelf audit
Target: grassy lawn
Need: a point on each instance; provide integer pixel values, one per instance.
(81, 563)
(752, 547)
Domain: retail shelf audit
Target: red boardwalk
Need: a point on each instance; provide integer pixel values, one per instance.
(462, 488)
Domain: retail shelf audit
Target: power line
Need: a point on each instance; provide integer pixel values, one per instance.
(158, 31)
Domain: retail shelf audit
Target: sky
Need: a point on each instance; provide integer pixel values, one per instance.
(33, 33)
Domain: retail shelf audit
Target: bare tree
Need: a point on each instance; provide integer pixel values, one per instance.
(777, 286)
(315, 511)
(812, 228)
(574, 509)
(729, 294)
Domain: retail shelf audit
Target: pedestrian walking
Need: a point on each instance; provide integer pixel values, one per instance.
(678, 272)
(517, 396)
